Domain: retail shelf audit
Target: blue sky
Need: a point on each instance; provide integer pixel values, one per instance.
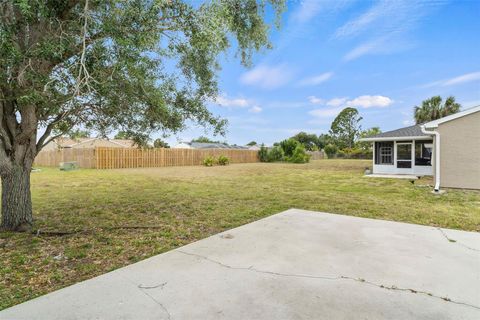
(381, 57)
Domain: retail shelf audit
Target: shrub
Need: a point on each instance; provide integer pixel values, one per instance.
(289, 146)
(356, 153)
(209, 161)
(263, 154)
(223, 160)
(330, 150)
(341, 154)
(299, 155)
(276, 154)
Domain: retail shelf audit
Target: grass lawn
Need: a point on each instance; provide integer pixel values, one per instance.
(123, 216)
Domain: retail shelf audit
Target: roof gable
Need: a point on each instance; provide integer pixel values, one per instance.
(435, 123)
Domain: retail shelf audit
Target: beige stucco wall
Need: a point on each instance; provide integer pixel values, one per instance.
(50, 146)
(460, 152)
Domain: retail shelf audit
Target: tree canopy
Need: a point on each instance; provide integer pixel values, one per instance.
(204, 139)
(141, 140)
(434, 108)
(309, 141)
(139, 66)
(78, 133)
(159, 143)
(364, 145)
(346, 128)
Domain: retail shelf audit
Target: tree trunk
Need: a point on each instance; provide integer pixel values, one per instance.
(16, 199)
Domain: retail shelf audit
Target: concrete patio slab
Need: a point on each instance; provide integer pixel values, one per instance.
(293, 265)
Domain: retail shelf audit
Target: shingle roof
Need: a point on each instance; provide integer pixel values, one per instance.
(69, 143)
(412, 131)
(212, 145)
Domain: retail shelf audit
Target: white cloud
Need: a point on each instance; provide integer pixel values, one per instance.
(365, 101)
(363, 49)
(335, 102)
(370, 102)
(388, 43)
(469, 77)
(335, 105)
(324, 112)
(408, 122)
(308, 9)
(387, 24)
(268, 77)
(315, 100)
(464, 78)
(255, 109)
(316, 80)
(224, 101)
(383, 9)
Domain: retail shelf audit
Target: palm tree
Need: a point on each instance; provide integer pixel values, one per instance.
(433, 108)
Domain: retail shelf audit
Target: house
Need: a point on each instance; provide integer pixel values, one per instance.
(206, 145)
(447, 148)
(67, 143)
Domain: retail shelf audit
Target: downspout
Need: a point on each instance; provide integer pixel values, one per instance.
(437, 155)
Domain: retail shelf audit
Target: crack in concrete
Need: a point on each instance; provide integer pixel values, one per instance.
(341, 277)
(161, 285)
(169, 316)
(444, 234)
(141, 288)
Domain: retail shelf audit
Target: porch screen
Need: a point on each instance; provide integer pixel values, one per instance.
(384, 153)
(423, 153)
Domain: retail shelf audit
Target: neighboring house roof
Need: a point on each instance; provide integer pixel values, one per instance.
(207, 145)
(435, 123)
(411, 132)
(71, 143)
(124, 142)
(182, 145)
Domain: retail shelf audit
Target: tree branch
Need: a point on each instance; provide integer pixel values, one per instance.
(42, 142)
(63, 14)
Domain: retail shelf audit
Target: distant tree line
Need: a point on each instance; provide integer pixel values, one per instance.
(341, 141)
(345, 131)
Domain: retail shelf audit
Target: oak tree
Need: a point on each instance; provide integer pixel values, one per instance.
(106, 65)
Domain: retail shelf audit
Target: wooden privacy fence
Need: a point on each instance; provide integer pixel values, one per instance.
(113, 158)
(316, 155)
(85, 157)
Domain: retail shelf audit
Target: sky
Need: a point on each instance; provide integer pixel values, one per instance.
(381, 57)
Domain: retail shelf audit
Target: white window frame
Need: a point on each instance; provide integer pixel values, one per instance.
(384, 155)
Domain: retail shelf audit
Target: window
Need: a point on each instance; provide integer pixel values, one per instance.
(384, 153)
(423, 153)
